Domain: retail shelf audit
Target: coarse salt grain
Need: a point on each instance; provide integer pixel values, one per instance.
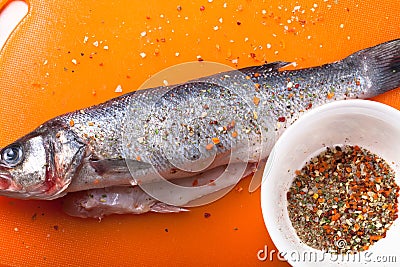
(296, 8)
(118, 89)
(143, 34)
(143, 54)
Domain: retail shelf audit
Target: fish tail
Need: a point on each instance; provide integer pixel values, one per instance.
(382, 66)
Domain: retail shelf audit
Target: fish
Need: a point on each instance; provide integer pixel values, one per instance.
(223, 125)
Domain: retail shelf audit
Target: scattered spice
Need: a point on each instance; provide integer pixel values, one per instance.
(239, 189)
(281, 119)
(71, 123)
(118, 89)
(55, 227)
(343, 200)
(215, 140)
(256, 100)
(209, 146)
(207, 215)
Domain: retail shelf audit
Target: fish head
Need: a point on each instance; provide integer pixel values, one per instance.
(41, 164)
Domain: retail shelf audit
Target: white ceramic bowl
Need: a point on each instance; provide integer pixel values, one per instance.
(369, 124)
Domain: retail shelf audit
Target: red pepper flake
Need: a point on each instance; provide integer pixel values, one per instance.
(138, 158)
(256, 100)
(234, 134)
(202, 8)
(71, 123)
(296, 85)
(281, 119)
(238, 23)
(358, 83)
(195, 182)
(330, 95)
(256, 75)
(209, 146)
(207, 215)
(215, 140)
(336, 217)
(212, 182)
(257, 85)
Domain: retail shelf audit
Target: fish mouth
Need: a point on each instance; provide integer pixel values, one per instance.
(5, 180)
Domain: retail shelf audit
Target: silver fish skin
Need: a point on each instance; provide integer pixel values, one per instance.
(133, 138)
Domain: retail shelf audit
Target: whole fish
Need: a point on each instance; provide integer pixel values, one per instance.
(185, 133)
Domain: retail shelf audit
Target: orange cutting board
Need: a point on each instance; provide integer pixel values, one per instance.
(66, 55)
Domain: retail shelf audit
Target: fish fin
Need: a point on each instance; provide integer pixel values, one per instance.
(256, 180)
(267, 67)
(382, 65)
(160, 207)
(114, 167)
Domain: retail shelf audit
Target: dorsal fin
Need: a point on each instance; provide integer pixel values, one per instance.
(267, 67)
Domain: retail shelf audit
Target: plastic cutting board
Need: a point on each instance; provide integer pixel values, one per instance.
(66, 55)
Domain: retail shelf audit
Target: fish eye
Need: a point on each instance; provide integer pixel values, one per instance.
(12, 155)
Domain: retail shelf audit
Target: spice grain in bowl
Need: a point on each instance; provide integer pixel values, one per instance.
(343, 200)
